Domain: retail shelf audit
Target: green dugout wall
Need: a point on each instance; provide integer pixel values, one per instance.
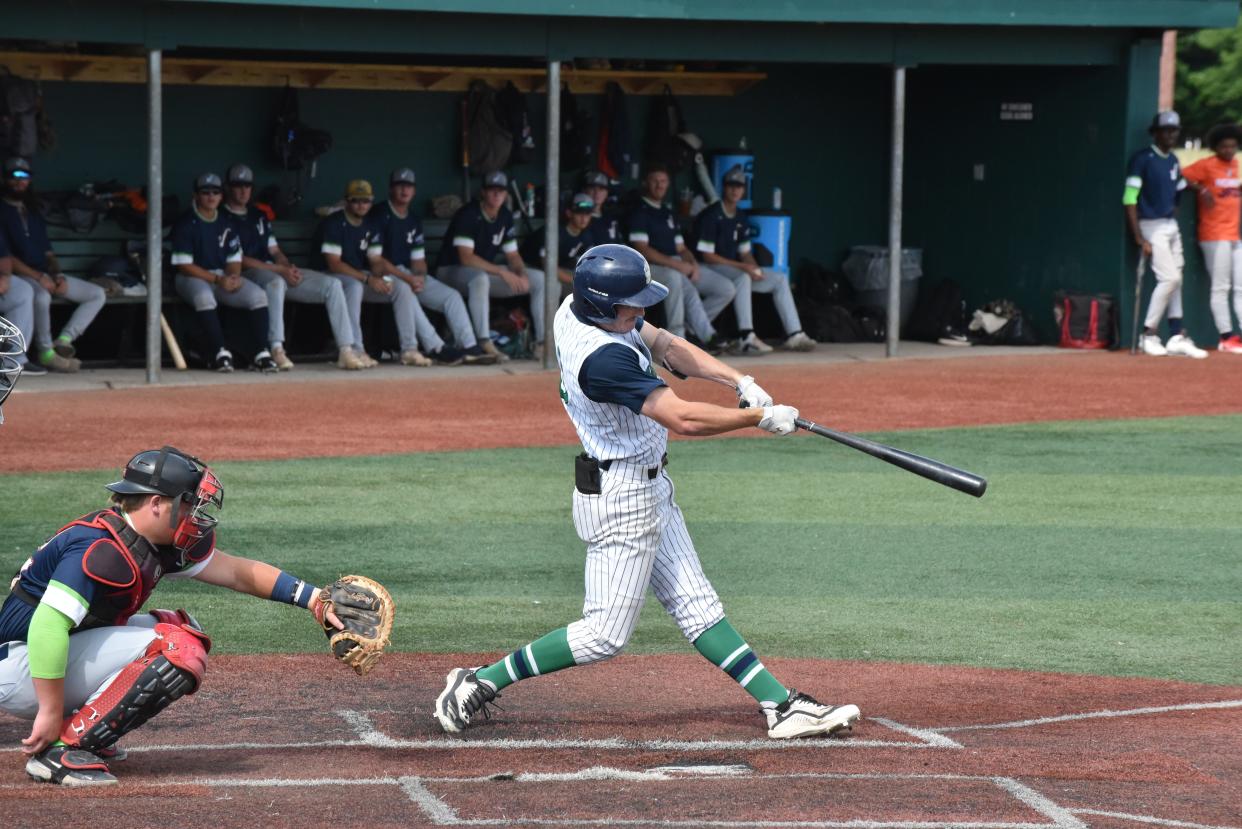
(1010, 208)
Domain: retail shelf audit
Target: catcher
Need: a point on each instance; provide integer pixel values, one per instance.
(78, 658)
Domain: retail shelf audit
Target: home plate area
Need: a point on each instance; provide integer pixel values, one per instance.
(664, 741)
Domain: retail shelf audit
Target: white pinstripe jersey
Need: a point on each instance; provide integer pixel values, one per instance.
(607, 431)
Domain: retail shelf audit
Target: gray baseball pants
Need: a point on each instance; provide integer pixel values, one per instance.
(412, 323)
(774, 282)
(479, 287)
(316, 289)
(440, 297)
(694, 304)
(89, 297)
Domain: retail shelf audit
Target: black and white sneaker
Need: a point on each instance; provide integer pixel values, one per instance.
(263, 362)
(476, 356)
(802, 716)
(69, 766)
(223, 362)
(33, 369)
(464, 695)
(447, 356)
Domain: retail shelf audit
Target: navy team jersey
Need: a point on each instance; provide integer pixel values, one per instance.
(655, 225)
(612, 374)
(400, 237)
(722, 234)
(1158, 178)
(354, 243)
(57, 575)
(254, 230)
(26, 235)
(568, 247)
(470, 228)
(209, 244)
(4, 245)
(606, 229)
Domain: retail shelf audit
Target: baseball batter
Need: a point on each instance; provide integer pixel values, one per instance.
(623, 505)
(75, 655)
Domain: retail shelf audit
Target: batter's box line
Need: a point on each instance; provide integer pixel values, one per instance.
(1092, 715)
(369, 735)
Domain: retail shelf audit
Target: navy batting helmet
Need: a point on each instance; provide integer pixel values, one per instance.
(610, 275)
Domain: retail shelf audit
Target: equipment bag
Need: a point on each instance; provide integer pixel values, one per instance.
(512, 104)
(20, 103)
(577, 149)
(1086, 320)
(489, 141)
(939, 312)
(615, 151)
(664, 129)
(294, 144)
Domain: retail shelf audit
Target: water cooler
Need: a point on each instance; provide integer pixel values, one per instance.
(771, 229)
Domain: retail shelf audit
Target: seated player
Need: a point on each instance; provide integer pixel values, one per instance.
(575, 237)
(79, 662)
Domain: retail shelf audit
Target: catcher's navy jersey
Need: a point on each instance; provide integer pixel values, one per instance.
(400, 237)
(56, 574)
(26, 233)
(655, 225)
(470, 228)
(254, 230)
(722, 234)
(209, 244)
(352, 242)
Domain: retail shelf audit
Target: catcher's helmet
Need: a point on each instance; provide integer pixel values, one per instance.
(167, 471)
(610, 275)
(12, 347)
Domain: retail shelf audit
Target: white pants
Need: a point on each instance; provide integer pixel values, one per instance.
(1224, 265)
(315, 288)
(1167, 262)
(17, 306)
(95, 656)
(774, 282)
(479, 287)
(88, 296)
(636, 537)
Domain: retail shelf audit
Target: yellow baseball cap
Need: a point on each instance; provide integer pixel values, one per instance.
(359, 189)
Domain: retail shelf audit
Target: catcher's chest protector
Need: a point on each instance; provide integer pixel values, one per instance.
(124, 562)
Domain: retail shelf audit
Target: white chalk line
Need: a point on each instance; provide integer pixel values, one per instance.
(930, 737)
(1091, 715)
(1159, 821)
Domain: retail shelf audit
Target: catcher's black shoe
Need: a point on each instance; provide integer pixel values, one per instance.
(802, 716)
(69, 766)
(464, 695)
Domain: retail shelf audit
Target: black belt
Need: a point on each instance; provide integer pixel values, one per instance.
(651, 472)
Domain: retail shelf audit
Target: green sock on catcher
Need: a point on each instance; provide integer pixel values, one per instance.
(728, 651)
(545, 655)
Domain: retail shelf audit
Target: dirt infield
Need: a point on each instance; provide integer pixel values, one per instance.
(55, 431)
(938, 747)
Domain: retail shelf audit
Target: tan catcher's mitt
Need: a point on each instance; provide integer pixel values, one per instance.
(366, 610)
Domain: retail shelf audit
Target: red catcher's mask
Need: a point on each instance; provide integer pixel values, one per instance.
(196, 515)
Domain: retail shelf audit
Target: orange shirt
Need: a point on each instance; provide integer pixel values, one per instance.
(1219, 222)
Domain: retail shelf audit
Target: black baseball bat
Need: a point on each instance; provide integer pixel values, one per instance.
(941, 473)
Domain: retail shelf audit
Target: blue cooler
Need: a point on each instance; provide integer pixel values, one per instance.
(772, 231)
(725, 160)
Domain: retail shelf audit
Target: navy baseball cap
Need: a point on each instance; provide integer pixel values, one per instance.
(207, 181)
(1166, 120)
(582, 203)
(16, 167)
(735, 175)
(239, 174)
(401, 175)
(496, 179)
(595, 178)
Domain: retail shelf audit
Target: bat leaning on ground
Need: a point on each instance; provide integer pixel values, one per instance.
(933, 470)
(1138, 295)
(170, 339)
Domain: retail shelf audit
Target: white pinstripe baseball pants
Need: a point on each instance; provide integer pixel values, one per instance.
(636, 537)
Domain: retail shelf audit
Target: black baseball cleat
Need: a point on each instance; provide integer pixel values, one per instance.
(447, 356)
(223, 362)
(69, 766)
(476, 356)
(263, 362)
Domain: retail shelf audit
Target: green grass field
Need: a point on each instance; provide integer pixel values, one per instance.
(1101, 547)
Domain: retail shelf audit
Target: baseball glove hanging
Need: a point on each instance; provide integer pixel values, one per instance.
(366, 610)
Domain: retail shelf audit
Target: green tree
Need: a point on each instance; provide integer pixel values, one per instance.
(1209, 78)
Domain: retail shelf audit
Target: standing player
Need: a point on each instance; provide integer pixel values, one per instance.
(403, 256)
(1153, 184)
(79, 661)
(623, 505)
(477, 234)
(724, 244)
(1215, 179)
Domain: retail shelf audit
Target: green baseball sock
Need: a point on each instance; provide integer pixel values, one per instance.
(545, 655)
(726, 649)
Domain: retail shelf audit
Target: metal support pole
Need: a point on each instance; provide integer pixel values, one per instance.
(155, 217)
(552, 207)
(894, 210)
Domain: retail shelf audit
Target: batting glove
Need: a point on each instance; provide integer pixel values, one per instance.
(779, 420)
(752, 394)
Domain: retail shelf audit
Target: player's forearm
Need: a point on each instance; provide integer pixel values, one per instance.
(195, 272)
(22, 269)
(1133, 221)
(257, 578)
(418, 267)
(52, 263)
(470, 259)
(695, 419)
(516, 264)
(692, 361)
(380, 266)
(51, 694)
(338, 265)
(565, 276)
(249, 262)
(278, 256)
